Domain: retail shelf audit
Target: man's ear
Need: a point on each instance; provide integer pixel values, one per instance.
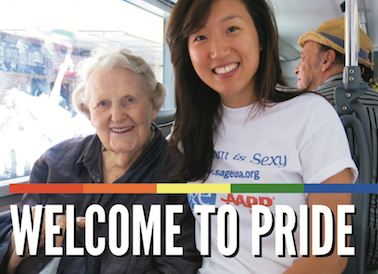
(363, 69)
(327, 60)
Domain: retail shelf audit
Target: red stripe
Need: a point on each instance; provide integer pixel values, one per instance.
(55, 188)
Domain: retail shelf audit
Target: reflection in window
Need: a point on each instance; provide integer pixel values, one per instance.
(36, 83)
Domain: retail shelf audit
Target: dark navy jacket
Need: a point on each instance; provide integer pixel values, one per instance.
(79, 161)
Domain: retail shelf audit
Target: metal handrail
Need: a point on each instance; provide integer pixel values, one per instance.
(352, 27)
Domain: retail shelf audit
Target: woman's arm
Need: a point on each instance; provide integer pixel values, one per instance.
(15, 260)
(11, 260)
(331, 264)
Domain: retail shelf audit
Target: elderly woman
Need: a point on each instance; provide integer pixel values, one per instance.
(121, 97)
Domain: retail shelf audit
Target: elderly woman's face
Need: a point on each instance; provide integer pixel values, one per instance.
(120, 110)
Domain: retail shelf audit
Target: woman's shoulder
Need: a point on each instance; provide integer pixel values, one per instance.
(70, 146)
(311, 98)
(307, 104)
(58, 163)
(73, 142)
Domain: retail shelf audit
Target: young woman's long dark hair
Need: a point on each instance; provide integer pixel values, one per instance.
(198, 106)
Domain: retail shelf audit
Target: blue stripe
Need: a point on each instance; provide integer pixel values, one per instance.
(362, 54)
(341, 188)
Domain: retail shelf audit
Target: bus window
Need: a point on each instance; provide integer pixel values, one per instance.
(39, 54)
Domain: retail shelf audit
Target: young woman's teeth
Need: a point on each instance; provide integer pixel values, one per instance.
(226, 69)
(121, 129)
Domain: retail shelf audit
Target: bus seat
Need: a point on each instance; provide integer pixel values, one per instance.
(165, 120)
(356, 123)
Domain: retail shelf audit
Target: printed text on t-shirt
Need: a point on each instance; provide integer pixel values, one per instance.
(226, 174)
(257, 159)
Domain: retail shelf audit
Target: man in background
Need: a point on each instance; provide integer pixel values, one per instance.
(321, 70)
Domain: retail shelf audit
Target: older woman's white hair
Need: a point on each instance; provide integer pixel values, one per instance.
(111, 59)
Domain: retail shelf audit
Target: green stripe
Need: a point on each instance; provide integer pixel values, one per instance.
(267, 188)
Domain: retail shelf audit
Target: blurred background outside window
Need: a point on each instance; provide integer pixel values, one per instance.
(41, 44)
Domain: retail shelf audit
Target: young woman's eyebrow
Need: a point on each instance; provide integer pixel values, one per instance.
(229, 17)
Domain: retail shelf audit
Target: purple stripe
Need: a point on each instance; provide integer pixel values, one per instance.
(362, 54)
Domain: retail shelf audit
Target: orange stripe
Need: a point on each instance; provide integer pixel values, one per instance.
(46, 188)
(120, 188)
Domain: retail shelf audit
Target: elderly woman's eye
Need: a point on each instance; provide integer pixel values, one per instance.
(130, 100)
(102, 103)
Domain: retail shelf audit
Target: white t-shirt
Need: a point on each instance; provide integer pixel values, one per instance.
(298, 141)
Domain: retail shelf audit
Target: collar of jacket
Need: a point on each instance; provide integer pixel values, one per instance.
(92, 156)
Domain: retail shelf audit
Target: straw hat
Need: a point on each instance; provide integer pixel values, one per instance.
(331, 34)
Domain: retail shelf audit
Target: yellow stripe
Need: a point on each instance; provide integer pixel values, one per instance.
(173, 188)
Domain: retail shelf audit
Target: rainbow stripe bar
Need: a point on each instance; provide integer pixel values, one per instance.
(181, 188)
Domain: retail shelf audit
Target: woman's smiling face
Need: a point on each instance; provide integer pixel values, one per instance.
(120, 110)
(225, 53)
